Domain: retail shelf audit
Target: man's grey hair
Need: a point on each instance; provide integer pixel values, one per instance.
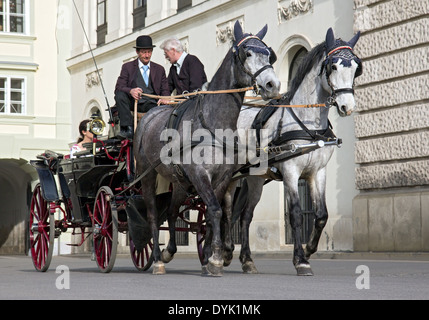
(172, 43)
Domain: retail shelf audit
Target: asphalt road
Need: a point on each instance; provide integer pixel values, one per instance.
(334, 279)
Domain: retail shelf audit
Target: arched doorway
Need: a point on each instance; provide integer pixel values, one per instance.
(16, 178)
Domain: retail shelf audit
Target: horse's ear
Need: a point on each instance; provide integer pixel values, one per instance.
(330, 38)
(261, 34)
(238, 31)
(354, 40)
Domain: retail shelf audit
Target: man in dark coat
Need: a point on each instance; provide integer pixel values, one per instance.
(186, 72)
(137, 77)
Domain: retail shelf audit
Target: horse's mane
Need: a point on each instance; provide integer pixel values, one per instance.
(311, 59)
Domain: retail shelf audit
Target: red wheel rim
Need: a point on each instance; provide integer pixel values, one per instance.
(142, 259)
(105, 230)
(40, 231)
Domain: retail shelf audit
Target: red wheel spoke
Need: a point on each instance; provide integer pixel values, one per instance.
(105, 229)
(41, 231)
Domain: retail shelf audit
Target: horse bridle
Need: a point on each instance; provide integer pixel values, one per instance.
(327, 64)
(242, 56)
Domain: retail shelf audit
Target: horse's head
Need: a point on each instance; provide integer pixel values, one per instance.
(255, 59)
(341, 67)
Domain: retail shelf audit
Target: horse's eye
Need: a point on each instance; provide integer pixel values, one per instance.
(334, 67)
(248, 54)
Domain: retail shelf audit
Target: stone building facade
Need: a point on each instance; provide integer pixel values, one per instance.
(391, 212)
(377, 184)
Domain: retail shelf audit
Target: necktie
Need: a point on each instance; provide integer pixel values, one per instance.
(145, 76)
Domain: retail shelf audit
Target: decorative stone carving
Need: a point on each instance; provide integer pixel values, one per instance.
(185, 43)
(93, 80)
(296, 7)
(225, 31)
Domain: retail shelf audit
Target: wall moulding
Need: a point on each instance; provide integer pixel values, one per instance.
(295, 8)
(225, 31)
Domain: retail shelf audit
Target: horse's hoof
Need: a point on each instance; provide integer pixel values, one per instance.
(226, 263)
(249, 268)
(215, 268)
(227, 259)
(166, 256)
(205, 272)
(304, 270)
(158, 268)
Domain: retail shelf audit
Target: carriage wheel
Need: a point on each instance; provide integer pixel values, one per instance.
(142, 259)
(201, 235)
(105, 229)
(42, 231)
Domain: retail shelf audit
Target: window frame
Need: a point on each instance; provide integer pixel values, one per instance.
(8, 95)
(101, 28)
(183, 5)
(139, 14)
(6, 14)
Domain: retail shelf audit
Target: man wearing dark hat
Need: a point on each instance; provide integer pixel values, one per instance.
(138, 77)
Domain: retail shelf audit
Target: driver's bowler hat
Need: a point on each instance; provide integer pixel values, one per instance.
(144, 42)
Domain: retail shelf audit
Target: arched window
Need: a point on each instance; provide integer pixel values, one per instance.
(95, 112)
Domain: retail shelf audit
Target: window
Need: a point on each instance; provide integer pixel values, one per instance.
(139, 14)
(12, 96)
(182, 5)
(12, 16)
(101, 21)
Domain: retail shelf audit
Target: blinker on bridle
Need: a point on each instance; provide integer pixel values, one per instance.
(242, 56)
(327, 64)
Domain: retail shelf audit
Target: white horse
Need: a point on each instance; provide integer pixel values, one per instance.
(326, 75)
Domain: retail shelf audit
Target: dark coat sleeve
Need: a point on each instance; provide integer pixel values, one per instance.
(196, 74)
(125, 81)
(159, 80)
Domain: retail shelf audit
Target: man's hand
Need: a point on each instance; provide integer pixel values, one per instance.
(163, 102)
(136, 93)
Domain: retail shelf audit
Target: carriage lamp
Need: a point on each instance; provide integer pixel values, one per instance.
(96, 126)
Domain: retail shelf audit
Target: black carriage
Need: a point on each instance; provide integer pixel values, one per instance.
(94, 195)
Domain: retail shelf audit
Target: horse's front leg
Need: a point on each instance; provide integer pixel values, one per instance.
(251, 192)
(149, 196)
(317, 189)
(301, 264)
(214, 212)
(228, 244)
(177, 199)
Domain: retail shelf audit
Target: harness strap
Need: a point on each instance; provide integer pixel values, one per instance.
(257, 73)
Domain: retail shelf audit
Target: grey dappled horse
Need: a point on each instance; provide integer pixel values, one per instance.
(326, 75)
(246, 63)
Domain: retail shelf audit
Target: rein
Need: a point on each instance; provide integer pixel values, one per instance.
(199, 92)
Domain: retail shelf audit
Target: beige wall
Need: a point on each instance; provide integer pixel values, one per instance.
(39, 56)
(392, 151)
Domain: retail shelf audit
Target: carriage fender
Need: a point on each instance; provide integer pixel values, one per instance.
(47, 181)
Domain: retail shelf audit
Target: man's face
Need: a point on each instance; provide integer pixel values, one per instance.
(171, 55)
(144, 55)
